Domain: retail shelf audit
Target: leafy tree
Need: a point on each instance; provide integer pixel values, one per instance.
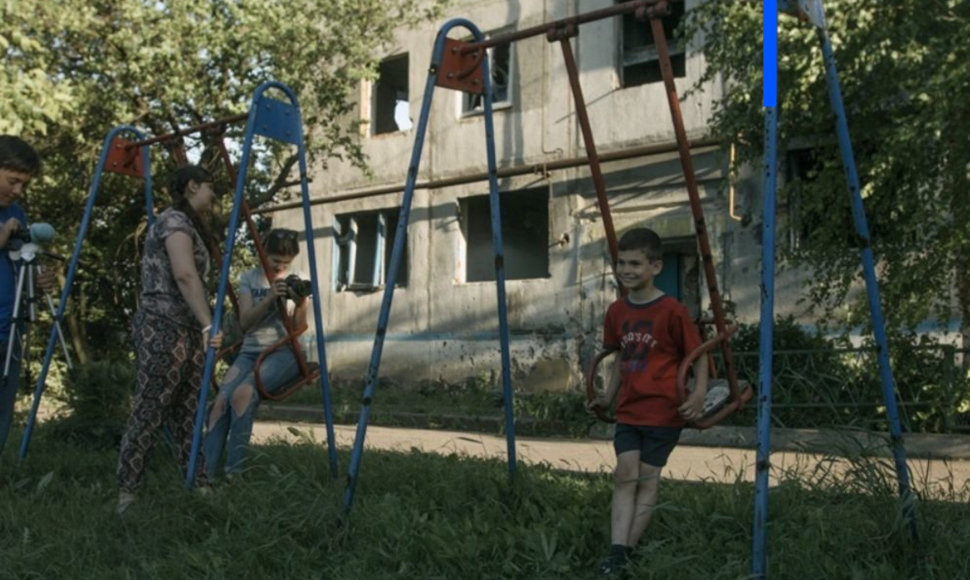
(72, 69)
(905, 73)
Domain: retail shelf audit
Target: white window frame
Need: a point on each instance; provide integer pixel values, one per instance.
(372, 93)
(348, 239)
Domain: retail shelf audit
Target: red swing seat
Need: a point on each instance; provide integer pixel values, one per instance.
(723, 397)
(310, 371)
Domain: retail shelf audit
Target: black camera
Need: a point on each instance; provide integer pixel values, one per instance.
(299, 287)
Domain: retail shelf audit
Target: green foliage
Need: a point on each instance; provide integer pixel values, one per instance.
(73, 69)
(423, 515)
(825, 382)
(98, 396)
(902, 65)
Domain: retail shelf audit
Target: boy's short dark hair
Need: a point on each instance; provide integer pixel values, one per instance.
(283, 242)
(642, 239)
(17, 155)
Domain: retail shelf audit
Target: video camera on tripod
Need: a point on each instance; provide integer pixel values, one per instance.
(23, 247)
(26, 243)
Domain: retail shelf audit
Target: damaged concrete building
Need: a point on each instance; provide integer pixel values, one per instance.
(443, 323)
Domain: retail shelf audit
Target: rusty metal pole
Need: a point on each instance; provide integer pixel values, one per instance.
(683, 148)
(563, 34)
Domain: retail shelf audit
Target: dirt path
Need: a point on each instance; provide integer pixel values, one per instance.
(688, 462)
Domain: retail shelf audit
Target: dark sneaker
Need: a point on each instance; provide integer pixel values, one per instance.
(614, 565)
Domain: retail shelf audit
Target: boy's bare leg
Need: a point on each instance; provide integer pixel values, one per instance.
(646, 499)
(625, 483)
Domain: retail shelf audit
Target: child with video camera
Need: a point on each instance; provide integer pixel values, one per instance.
(261, 320)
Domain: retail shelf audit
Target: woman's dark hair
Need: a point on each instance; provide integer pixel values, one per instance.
(180, 184)
(283, 242)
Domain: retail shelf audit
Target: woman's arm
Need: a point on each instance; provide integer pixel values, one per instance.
(178, 245)
(299, 315)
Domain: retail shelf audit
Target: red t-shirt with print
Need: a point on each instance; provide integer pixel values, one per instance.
(653, 339)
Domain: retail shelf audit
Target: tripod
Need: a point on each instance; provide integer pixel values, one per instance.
(25, 262)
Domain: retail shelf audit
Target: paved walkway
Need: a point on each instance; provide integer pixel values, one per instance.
(695, 460)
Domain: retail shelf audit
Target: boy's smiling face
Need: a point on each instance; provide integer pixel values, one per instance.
(635, 270)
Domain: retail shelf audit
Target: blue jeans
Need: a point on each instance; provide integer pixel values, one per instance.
(276, 370)
(9, 386)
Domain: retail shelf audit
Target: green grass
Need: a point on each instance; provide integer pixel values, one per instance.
(425, 516)
(471, 405)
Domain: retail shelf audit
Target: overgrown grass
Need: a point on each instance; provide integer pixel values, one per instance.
(425, 516)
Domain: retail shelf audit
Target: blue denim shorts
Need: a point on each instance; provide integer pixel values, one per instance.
(654, 443)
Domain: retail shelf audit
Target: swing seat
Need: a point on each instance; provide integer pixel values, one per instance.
(282, 392)
(721, 400)
(716, 406)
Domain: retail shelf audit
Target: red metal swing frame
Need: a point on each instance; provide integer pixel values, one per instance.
(460, 69)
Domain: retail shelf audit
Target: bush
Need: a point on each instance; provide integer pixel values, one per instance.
(98, 396)
(823, 382)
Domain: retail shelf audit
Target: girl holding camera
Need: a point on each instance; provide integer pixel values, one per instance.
(260, 317)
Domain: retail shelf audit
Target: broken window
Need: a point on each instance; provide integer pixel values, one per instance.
(391, 105)
(639, 61)
(525, 235)
(500, 69)
(362, 250)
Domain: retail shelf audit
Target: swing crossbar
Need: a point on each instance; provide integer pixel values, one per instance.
(218, 123)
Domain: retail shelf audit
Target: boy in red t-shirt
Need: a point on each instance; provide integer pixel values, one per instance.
(653, 333)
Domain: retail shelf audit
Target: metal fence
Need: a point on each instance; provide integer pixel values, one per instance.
(840, 387)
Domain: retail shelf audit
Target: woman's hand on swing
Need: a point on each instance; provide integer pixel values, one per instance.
(213, 341)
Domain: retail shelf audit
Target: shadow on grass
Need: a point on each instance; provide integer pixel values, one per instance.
(426, 515)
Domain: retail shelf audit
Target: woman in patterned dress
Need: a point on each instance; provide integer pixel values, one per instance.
(170, 330)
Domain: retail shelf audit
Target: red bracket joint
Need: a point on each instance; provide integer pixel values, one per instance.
(124, 159)
(461, 71)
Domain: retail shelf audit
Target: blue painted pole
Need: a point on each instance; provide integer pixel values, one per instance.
(217, 312)
(272, 119)
(397, 252)
(393, 268)
(759, 552)
(75, 256)
(872, 285)
(325, 390)
(498, 250)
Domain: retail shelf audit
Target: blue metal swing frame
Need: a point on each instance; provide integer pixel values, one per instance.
(812, 12)
(269, 118)
(398, 250)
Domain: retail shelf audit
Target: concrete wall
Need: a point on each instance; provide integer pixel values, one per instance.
(442, 328)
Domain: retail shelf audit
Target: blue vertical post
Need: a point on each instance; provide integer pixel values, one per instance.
(869, 272)
(759, 552)
(75, 256)
(397, 252)
(280, 121)
(497, 248)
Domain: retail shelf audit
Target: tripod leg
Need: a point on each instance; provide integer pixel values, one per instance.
(12, 339)
(60, 333)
